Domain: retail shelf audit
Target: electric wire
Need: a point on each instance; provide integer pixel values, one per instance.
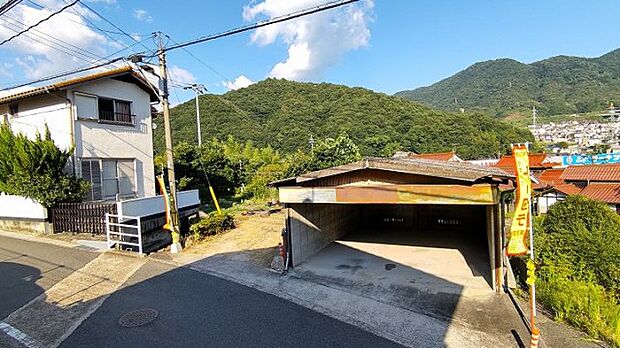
(77, 70)
(114, 25)
(256, 25)
(39, 22)
(47, 37)
(7, 6)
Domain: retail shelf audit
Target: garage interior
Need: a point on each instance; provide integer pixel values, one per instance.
(398, 221)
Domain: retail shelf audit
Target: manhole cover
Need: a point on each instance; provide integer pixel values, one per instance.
(138, 317)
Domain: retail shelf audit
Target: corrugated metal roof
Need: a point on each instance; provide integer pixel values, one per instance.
(605, 192)
(462, 171)
(86, 78)
(593, 172)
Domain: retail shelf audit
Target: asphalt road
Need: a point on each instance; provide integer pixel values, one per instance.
(198, 310)
(194, 309)
(28, 268)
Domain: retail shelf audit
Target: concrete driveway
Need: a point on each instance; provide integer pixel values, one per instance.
(444, 275)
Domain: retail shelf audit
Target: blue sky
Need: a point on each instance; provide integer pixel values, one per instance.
(391, 45)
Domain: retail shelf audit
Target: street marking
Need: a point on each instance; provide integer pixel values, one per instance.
(52, 316)
(18, 335)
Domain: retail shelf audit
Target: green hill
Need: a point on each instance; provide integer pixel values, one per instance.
(284, 114)
(558, 85)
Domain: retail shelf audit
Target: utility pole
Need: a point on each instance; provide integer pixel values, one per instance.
(199, 89)
(534, 111)
(174, 212)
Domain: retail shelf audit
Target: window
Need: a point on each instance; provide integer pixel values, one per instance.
(109, 178)
(103, 109)
(91, 172)
(86, 106)
(114, 111)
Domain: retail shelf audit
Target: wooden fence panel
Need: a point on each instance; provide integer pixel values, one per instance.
(87, 217)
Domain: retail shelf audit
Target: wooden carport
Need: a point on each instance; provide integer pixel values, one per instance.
(321, 205)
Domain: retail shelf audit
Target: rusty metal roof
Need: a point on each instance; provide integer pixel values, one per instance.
(127, 70)
(461, 171)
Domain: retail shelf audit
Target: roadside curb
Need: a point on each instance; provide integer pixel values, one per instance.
(281, 293)
(33, 238)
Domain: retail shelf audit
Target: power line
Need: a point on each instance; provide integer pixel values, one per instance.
(92, 26)
(114, 25)
(39, 34)
(78, 70)
(39, 22)
(284, 18)
(66, 73)
(200, 60)
(8, 6)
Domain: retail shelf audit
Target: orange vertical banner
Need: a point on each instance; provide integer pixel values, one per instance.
(519, 229)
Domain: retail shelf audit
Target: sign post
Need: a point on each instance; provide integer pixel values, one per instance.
(521, 229)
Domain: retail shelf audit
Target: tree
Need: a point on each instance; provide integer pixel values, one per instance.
(36, 169)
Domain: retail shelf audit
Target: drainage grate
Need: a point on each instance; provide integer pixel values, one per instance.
(138, 317)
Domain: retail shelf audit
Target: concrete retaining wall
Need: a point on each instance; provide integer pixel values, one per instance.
(28, 226)
(21, 214)
(314, 226)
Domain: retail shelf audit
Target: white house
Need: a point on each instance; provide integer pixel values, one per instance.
(105, 117)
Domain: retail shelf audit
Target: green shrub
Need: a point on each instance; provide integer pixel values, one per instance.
(212, 224)
(583, 235)
(36, 169)
(578, 255)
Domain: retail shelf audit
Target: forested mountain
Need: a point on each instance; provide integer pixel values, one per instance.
(557, 85)
(285, 114)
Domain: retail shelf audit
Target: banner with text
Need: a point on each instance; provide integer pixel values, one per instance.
(521, 219)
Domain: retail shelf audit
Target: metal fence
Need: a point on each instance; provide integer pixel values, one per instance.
(87, 217)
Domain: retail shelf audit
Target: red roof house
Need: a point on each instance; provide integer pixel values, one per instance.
(592, 172)
(604, 192)
(551, 176)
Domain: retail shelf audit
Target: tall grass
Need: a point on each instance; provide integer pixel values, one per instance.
(583, 304)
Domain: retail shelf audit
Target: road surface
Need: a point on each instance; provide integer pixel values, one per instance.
(193, 309)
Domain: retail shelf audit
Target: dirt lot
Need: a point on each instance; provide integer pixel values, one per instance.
(254, 239)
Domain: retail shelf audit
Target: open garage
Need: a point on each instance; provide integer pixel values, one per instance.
(399, 221)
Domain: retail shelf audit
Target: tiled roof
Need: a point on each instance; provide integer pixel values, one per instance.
(593, 172)
(568, 189)
(451, 170)
(537, 160)
(127, 70)
(438, 156)
(605, 192)
(551, 176)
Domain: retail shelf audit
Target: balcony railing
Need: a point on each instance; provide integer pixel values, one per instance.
(116, 118)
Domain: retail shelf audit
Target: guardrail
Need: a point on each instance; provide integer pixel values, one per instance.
(117, 232)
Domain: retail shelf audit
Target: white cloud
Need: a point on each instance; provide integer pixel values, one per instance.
(142, 15)
(35, 56)
(178, 74)
(315, 42)
(240, 82)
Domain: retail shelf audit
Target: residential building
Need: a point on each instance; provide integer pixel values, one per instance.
(538, 163)
(450, 156)
(105, 118)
